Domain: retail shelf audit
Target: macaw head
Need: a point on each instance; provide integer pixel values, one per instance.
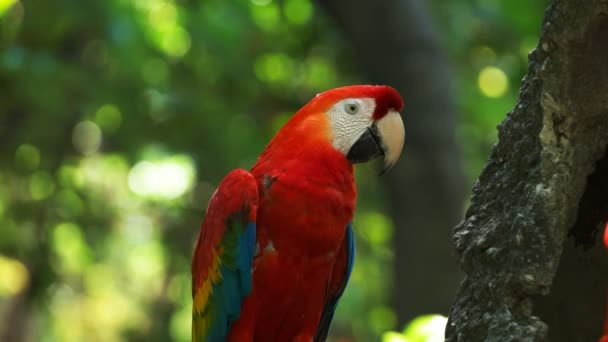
(362, 122)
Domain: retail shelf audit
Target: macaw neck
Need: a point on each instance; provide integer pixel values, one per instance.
(314, 161)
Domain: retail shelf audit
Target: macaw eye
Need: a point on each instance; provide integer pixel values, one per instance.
(351, 108)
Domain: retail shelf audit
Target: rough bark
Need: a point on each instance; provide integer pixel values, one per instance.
(397, 46)
(535, 269)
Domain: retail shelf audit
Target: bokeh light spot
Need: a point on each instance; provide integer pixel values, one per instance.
(493, 82)
(273, 67)
(14, 276)
(27, 157)
(108, 313)
(108, 117)
(427, 328)
(163, 27)
(266, 17)
(70, 176)
(378, 227)
(175, 41)
(86, 137)
(167, 178)
(162, 13)
(42, 185)
(5, 5)
(71, 248)
(146, 264)
(392, 336)
(297, 11)
(320, 74)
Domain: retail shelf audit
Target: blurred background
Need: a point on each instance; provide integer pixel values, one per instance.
(118, 118)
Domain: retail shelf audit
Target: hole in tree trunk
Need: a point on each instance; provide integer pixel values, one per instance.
(575, 308)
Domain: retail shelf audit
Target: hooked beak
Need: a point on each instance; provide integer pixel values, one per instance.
(385, 137)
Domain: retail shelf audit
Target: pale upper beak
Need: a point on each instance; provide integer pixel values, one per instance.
(392, 134)
(385, 137)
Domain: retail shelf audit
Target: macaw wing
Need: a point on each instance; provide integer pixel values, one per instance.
(339, 279)
(223, 257)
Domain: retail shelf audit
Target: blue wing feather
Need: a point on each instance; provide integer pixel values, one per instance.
(223, 258)
(330, 307)
(247, 247)
(229, 294)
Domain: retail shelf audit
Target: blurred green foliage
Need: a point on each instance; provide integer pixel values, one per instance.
(119, 117)
(425, 328)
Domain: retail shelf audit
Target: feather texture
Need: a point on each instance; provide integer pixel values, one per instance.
(340, 282)
(223, 257)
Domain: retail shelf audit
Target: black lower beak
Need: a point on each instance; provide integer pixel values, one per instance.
(368, 147)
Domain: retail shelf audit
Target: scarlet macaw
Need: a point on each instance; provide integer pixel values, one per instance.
(276, 247)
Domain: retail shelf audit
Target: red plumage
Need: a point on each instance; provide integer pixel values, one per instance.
(306, 190)
(307, 197)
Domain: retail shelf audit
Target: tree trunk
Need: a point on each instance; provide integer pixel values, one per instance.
(529, 244)
(397, 46)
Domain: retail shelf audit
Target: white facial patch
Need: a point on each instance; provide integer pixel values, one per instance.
(349, 119)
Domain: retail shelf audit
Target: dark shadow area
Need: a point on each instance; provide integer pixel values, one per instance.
(575, 309)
